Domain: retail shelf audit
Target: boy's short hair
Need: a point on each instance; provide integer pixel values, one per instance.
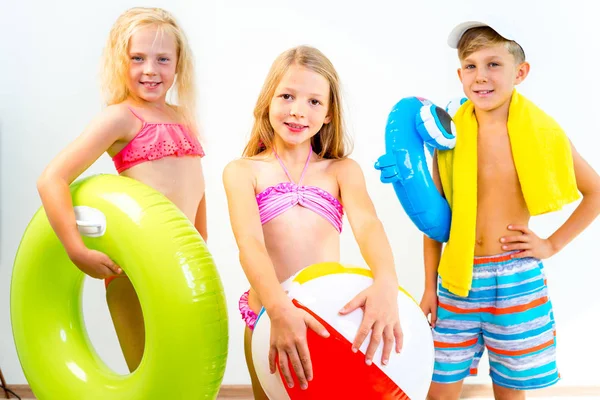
(470, 36)
(478, 38)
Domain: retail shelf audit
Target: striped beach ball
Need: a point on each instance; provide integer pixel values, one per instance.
(338, 373)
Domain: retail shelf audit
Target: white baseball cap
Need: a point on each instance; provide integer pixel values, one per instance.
(501, 27)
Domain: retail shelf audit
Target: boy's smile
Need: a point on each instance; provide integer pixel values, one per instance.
(489, 76)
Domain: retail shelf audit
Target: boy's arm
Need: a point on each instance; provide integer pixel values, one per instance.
(432, 249)
(588, 183)
(432, 253)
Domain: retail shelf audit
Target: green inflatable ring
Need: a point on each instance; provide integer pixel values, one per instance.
(175, 278)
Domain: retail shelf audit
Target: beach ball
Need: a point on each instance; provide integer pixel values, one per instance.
(338, 373)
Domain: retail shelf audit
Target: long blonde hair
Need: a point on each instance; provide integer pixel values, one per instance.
(331, 141)
(116, 61)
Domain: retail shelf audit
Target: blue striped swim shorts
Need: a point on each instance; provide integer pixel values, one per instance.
(508, 312)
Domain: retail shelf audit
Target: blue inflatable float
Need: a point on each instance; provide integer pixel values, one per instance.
(415, 124)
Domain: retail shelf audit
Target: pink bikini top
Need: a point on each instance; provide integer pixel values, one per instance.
(279, 198)
(155, 141)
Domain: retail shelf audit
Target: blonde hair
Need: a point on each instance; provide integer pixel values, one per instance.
(116, 60)
(331, 141)
(477, 38)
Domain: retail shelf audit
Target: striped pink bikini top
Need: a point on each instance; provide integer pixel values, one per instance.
(277, 199)
(155, 141)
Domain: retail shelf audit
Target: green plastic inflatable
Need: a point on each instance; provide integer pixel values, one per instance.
(173, 274)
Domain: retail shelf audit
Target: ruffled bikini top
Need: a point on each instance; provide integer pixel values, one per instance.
(155, 141)
(279, 198)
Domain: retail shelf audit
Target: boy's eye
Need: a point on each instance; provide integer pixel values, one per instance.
(469, 66)
(494, 64)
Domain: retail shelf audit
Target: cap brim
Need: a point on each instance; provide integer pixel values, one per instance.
(501, 28)
(460, 29)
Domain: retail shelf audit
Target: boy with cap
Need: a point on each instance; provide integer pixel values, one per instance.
(511, 161)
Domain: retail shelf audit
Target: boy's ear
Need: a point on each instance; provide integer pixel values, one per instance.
(459, 72)
(522, 72)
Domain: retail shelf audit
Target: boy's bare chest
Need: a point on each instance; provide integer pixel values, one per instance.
(495, 163)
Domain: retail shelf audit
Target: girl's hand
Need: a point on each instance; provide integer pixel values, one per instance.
(95, 264)
(380, 304)
(288, 343)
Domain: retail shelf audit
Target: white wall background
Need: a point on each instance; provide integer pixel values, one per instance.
(383, 50)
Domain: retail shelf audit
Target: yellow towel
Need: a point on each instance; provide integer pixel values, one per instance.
(542, 156)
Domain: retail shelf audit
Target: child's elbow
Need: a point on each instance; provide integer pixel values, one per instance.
(593, 197)
(42, 182)
(596, 197)
(47, 180)
(591, 191)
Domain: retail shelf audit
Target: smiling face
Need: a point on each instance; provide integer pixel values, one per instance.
(489, 76)
(152, 63)
(299, 106)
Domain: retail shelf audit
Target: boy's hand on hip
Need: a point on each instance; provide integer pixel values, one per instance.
(527, 243)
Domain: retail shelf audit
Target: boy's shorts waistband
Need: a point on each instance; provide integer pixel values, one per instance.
(495, 258)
